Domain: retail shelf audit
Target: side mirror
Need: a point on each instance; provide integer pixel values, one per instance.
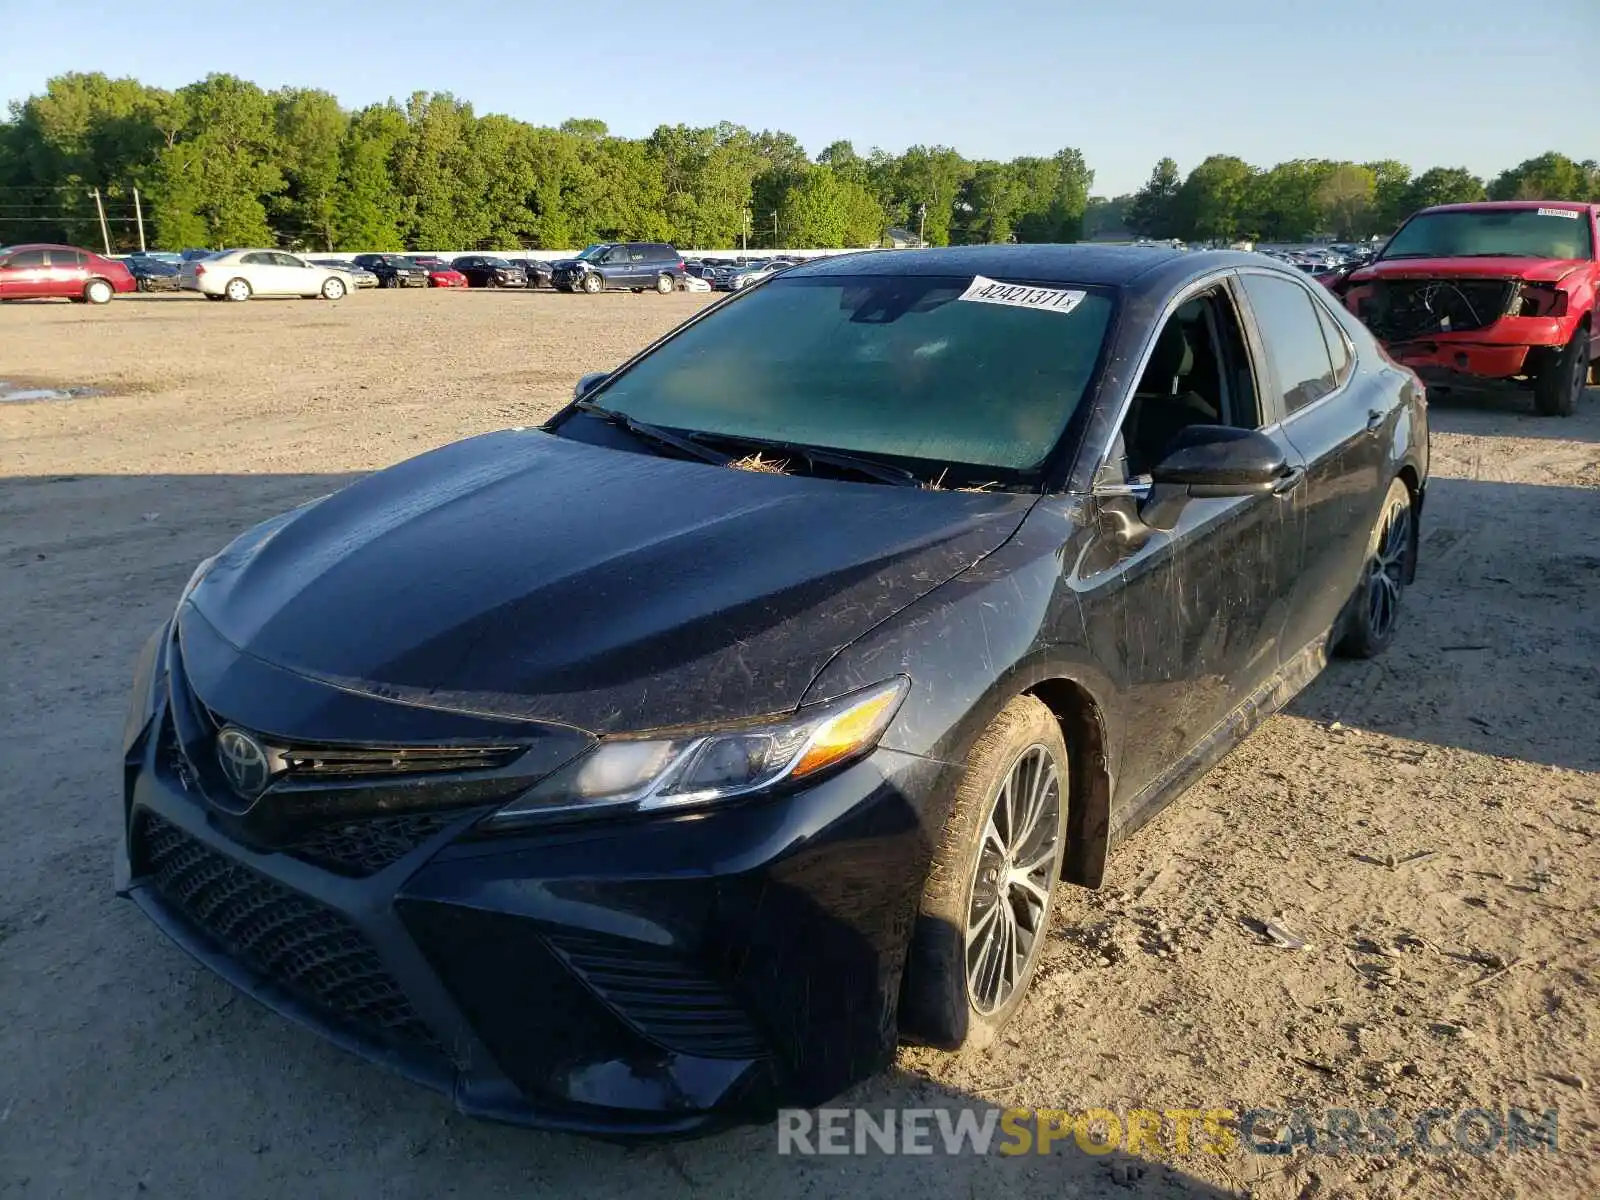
(588, 383)
(1220, 460)
(1209, 461)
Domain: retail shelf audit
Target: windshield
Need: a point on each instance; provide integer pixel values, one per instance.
(1497, 233)
(496, 262)
(887, 365)
(590, 253)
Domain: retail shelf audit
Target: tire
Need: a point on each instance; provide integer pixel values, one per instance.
(1374, 610)
(1560, 378)
(143, 285)
(664, 284)
(593, 284)
(958, 988)
(98, 291)
(387, 281)
(237, 290)
(333, 289)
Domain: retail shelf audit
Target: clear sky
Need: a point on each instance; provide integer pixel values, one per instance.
(1475, 83)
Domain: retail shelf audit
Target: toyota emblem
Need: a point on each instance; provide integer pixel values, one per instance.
(244, 762)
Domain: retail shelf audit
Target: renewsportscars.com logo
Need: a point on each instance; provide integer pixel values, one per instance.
(1166, 1132)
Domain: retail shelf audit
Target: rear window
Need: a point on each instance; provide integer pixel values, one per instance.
(889, 365)
(1494, 233)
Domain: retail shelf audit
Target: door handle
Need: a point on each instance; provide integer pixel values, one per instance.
(1374, 421)
(1288, 481)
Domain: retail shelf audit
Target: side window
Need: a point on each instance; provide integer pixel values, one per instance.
(1198, 373)
(259, 259)
(1292, 333)
(65, 258)
(1338, 345)
(617, 254)
(286, 260)
(26, 260)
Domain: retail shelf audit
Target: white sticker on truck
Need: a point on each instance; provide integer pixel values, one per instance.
(1570, 213)
(984, 290)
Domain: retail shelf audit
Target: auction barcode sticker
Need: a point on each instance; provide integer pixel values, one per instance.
(1570, 213)
(984, 290)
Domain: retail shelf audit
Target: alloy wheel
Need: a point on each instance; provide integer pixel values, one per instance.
(1015, 876)
(591, 283)
(238, 289)
(1386, 570)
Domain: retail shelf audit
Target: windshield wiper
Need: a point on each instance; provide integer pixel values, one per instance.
(815, 455)
(653, 433)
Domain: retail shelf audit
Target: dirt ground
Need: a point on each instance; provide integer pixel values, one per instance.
(1426, 821)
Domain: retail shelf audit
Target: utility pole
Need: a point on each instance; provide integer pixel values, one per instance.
(922, 225)
(138, 215)
(105, 233)
(774, 229)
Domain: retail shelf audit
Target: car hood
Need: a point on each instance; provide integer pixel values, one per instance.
(1535, 270)
(526, 575)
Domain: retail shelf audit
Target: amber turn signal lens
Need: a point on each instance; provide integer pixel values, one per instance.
(857, 727)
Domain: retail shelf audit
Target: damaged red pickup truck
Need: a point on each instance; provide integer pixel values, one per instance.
(1470, 294)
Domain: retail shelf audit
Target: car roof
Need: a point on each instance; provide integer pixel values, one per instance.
(1111, 266)
(1490, 205)
(51, 246)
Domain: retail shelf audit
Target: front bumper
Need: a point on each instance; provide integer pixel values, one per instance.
(646, 977)
(1497, 351)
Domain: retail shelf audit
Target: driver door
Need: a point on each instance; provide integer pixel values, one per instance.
(296, 276)
(1187, 621)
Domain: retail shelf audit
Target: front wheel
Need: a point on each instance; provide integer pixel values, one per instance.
(237, 290)
(1375, 608)
(664, 284)
(592, 283)
(333, 289)
(986, 904)
(98, 291)
(1560, 378)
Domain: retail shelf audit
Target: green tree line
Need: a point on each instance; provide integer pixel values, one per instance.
(222, 162)
(1224, 198)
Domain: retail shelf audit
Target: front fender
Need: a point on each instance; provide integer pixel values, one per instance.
(1003, 627)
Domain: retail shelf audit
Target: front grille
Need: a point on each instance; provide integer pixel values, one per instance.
(661, 996)
(1399, 310)
(314, 760)
(365, 847)
(293, 941)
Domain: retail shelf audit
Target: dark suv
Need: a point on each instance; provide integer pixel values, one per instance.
(394, 270)
(632, 265)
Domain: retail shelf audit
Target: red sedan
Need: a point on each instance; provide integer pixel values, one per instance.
(440, 273)
(35, 270)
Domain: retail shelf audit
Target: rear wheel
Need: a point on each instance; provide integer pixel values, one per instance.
(98, 291)
(237, 290)
(986, 904)
(1560, 379)
(1375, 608)
(664, 284)
(333, 289)
(592, 283)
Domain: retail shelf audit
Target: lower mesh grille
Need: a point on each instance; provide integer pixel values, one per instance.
(365, 847)
(661, 996)
(294, 941)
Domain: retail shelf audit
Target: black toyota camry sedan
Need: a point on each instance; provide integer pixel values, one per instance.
(671, 761)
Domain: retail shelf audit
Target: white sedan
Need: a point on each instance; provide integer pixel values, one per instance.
(241, 274)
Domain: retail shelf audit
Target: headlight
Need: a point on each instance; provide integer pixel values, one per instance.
(684, 770)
